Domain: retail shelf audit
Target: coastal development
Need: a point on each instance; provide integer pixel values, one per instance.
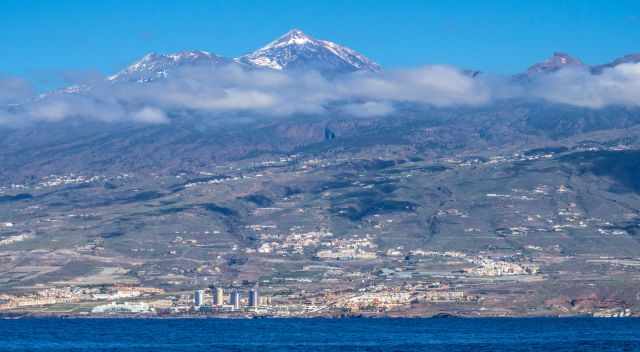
(325, 198)
(231, 176)
(312, 269)
(312, 263)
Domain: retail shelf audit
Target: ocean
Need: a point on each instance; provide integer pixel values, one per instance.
(355, 334)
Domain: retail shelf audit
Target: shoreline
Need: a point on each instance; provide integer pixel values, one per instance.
(18, 316)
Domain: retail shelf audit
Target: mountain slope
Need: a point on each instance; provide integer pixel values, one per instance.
(556, 62)
(627, 59)
(153, 66)
(295, 50)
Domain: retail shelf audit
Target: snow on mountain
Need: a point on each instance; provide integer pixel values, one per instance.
(561, 60)
(153, 66)
(556, 62)
(296, 51)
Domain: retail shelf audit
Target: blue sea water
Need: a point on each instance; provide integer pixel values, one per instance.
(448, 335)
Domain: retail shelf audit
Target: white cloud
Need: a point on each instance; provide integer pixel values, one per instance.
(431, 85)
(261, 93)
(619, 85)
(368, 109)
(63, 106)
(264, 93)
(150, 115)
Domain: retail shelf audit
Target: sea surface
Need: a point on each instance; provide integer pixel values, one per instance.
(570, 334)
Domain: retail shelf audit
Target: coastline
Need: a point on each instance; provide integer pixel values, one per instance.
(31, 315)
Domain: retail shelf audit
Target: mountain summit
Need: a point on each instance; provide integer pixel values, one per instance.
(153, 66)
(556, 62)
(295, 51)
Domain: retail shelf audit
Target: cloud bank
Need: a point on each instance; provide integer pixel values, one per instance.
(618, 85)
(264, 93)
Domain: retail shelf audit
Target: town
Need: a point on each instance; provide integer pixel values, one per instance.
(305, 235)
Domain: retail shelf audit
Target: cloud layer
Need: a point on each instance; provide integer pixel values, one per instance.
(619, 85)
(264, 93)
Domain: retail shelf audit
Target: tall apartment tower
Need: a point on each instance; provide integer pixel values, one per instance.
(198, 297)
(254, 297)
(234, 299)
(218, 297)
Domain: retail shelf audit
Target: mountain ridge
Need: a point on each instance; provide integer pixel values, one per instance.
(297, 51)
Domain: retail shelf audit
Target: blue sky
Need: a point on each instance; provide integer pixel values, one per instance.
(44, 40)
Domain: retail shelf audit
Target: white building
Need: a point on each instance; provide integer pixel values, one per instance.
(126, 307)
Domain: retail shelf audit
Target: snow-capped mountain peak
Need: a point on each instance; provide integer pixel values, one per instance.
(153, 65)
(297, 50)
(556, 62)
(190, 55)
(292, 37)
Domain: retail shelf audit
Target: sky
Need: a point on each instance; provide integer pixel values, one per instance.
(49, 41)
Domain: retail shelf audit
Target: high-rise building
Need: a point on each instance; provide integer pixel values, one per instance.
(234, 299)
(254, 297)
(265, 300)
(198, 297)
(218, 297)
